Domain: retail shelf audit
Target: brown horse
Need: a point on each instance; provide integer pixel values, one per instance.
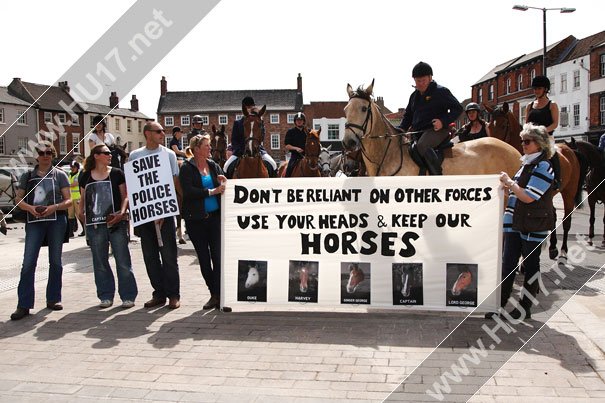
(386, 151)
(308, 166)
(250, 164)
(595, 181)
(218, 145)
(504, 126)
(356, 276)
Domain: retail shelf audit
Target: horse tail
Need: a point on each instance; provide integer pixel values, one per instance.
(583, 162)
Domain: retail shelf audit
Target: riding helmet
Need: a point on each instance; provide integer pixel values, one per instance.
(472, 107)
(248, 101)
(540, 81)
(422, 69)
(176, 129)
(300, 115)
(197, 119)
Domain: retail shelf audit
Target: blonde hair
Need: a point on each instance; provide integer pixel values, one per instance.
(196, 141)
(540, 136)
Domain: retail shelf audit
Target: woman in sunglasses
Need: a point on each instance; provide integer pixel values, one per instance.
(528, 217)
(44, 194)
(103, 210)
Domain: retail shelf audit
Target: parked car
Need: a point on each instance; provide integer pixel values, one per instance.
(9, 176)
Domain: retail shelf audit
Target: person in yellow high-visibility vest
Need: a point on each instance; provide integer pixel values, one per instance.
(74, 188)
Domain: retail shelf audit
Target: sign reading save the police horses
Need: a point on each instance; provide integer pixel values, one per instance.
(151, 192)
(431, 243)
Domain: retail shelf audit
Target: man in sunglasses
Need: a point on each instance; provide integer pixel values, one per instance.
(160, 261)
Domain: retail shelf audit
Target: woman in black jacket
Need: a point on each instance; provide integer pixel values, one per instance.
(203, 181)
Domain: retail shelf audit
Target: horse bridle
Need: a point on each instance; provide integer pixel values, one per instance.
(251, 138)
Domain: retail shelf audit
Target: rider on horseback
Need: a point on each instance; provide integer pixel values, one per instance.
(476, 128)
(430, 110)
(238, 143)
(295, 142)
(197, 121)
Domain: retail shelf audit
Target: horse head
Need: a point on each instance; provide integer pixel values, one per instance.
(253, 129)
(504, 126)
(253, 277)
(462, 282)
(303, 277)
(218, 145)
(324, 160)
(356, 276)
(312, 148)
(358, 113)
(407, 280)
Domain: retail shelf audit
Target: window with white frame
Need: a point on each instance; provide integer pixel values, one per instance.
(576, 79)
(62, 118)
(205, 120)
(274, 119)
(316, 126)
(140, 126)
(490, 93)
(509, 83)
(128, 125)
(222, 119)
(184, 142)
(168, 121)
(564, 82)
(532, 75)
(48, 117)
(75, 142)
(22, 143)
(564, 116)
(238, 116)
(117, 124)
(576, 114)
(552, 85)
(290, 118)
(63, 143)
(275, 141)
(519, 82)
(129, 146)
(333, 131)
(480, 95)
(1, 115)
(185, 120)
(75, 120)
(522, 115)
(2, 145)
(602, 65)
(21, 118)
(602, 110)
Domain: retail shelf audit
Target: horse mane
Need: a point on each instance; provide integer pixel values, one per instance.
(591, 152)
(361, 92)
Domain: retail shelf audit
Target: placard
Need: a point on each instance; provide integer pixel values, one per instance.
(429, 243)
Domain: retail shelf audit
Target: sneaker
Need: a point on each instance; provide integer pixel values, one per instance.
(127, 304)
(105, 303)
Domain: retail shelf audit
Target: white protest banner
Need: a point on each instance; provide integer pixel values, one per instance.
(429, 243)
(151, 192)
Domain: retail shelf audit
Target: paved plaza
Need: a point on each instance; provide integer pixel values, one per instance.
(255, 354)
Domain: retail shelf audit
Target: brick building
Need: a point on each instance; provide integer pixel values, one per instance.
(177, 108)
(596, 100)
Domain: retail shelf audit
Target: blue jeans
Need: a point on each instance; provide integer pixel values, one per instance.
(161, 263)
(100, 238)
(205, 235)
(34, 235)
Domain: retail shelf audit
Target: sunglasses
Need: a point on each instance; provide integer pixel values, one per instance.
(104, 152)
(48, 153)
(157, 131)
(526, 142)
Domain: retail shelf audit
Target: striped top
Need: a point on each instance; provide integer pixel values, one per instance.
(540, 181)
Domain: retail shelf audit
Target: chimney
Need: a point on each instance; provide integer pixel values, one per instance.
(114, 100)
(299, 84)
(163, 86)
(63, 85)
(380, 102)
(134, 104)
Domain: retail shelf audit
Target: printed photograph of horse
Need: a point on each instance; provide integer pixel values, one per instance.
(252, 281)
(303, 281)
(355, 283)
(43, 194)
(407, 284)
(461, 281)
(99, 202)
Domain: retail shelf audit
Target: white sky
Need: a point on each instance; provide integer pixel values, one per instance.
(264, 44)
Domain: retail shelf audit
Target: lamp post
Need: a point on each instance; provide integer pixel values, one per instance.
(563, 10)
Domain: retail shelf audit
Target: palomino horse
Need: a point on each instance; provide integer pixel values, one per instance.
(356, 276)
(386, 151)
(504, 126)
(219, 145)
(595, 179)
(253, 277)
(464, 280)
(349, 163)
(308, 166)
(250, 165)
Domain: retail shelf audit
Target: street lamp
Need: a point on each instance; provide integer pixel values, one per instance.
(563, 10)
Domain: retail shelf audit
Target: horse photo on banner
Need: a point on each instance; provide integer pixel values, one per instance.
(99, 202)
(409, 243)
(43, 194)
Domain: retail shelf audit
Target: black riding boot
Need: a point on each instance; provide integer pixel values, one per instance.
(525, 302)
(556, 167)
(506, 289)
(270, 170)
(432, 162)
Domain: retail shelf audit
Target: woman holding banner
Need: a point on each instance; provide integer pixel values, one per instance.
(44, 194)
(103, 210)
(203, 181)
(528, 217)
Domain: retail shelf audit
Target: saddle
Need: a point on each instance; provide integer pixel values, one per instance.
(231, 170)
(443, 151)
